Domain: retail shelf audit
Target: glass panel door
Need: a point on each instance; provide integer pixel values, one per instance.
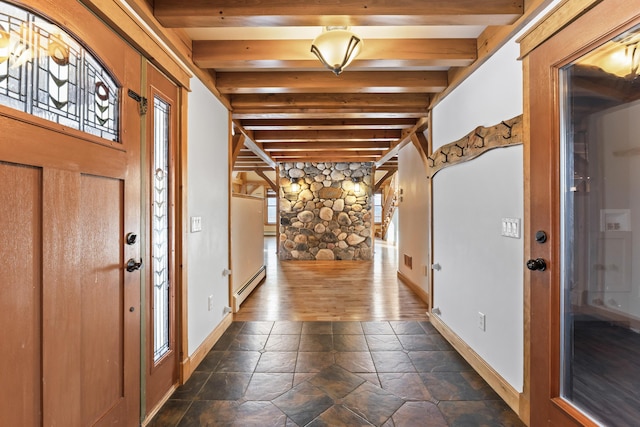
(160, 237)
(600, 221)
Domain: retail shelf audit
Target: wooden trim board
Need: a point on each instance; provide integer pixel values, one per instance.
(421, 293)
(189, 365)
(509, 394)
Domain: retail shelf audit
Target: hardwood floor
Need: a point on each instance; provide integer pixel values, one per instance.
(332, 290)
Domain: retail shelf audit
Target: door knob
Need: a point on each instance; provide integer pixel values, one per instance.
(537, 264)
(132, 265)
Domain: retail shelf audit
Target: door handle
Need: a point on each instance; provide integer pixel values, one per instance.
(537, 264)
(132, 265)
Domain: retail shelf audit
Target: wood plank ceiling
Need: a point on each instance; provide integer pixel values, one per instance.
(287, 108)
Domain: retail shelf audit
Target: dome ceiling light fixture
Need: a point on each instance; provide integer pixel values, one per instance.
(336, 47)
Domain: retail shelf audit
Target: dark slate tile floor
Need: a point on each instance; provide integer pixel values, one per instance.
(289, 374)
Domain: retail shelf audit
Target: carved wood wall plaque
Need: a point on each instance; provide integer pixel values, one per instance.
(475, 143)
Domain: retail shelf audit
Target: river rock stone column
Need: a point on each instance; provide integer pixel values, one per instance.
(322, 216)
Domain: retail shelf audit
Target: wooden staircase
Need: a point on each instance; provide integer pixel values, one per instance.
(390, 199)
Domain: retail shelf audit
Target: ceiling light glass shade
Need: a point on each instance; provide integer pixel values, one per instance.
(336, 47)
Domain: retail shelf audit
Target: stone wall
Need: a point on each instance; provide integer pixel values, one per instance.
(324, 218)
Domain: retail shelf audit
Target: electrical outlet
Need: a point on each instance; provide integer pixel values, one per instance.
(482, 321)
(210, 303)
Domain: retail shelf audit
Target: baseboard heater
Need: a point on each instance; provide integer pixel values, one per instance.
(248, 287)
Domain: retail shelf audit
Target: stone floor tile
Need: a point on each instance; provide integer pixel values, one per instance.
(170, 414)
(457, 386)
(238, 361)
(377, 328)
(284, 327)
(282, 342)
(317, 328)
(351, 342)
(268, 386)
(383, 343)
(303, 403)
(314, 361)
(224, 386)
(209, 413)
(477, 413)
(316, 342)
(439, 361)
(423, 414)
(407, 328)
(300, 377)
(355, 361)
(428, 327)
(256, 328)
(392, 361)
(372, 403)
(336, 381)
(338, 415)
(224, 341)
(259, 414)
(408, 386)
(277, 361)
(244, 342)
(347, 328)
(423, 343)
(210, 361)
(372, 378)
(190, 389)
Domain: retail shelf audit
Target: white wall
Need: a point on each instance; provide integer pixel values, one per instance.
(413, 228)
(481, 270)
(208, 189)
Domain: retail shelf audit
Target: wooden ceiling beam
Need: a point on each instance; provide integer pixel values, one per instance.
(265, 136)
(325, 158)
(320, 99)
(333, 145)
(328, 124)
(336, 113)
(325, 82)
(376, 53)
(372, 155)
(252, 169)
(232, 13)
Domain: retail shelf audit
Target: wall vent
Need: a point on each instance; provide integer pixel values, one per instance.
(408, 261)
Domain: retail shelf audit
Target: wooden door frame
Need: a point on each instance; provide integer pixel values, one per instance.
(177, 231)
(569, 32)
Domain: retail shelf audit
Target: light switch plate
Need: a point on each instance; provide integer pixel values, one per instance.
(511, 227)
(196, 224)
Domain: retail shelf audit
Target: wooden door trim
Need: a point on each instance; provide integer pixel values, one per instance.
(157, 84)
(542, 200)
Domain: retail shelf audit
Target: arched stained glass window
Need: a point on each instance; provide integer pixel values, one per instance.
(46, 72)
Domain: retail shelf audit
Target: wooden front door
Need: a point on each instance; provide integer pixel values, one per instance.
(582, 208)
(162, 340)
(69, 196)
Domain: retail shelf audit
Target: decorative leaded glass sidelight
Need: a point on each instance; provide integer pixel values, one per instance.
(45, 72)
(160, 223)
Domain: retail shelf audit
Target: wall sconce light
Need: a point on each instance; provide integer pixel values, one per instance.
(356, 185)
(295, 187)
(336, 47)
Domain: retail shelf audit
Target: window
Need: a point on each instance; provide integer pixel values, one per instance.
(45, 72)
(271, 209)
(161, 236)
(377, 208)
